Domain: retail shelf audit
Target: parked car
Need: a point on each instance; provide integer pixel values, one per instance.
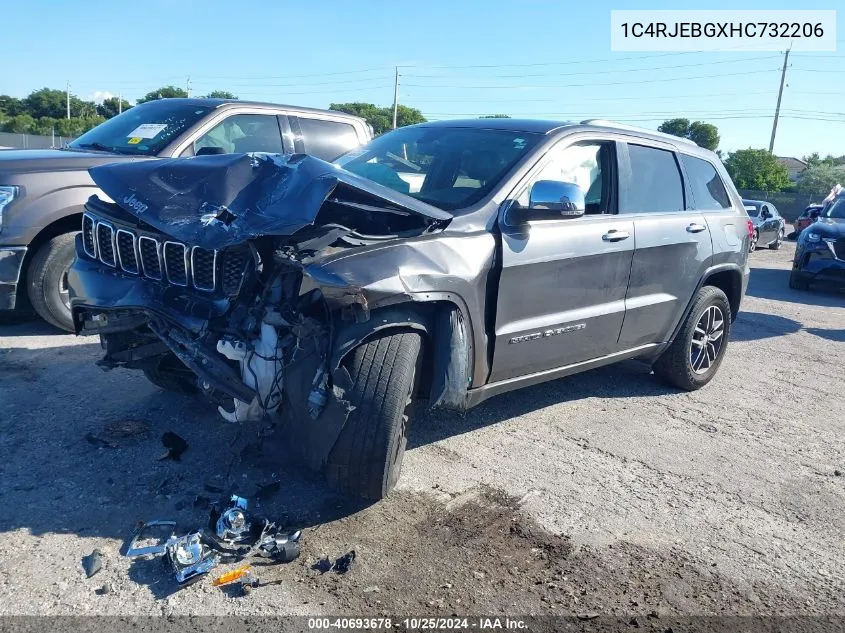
(42, 192)
(810, 214)
(820, 251)
(456, 260)
(769, 225)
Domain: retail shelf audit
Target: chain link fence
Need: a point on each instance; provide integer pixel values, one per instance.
(11, 140)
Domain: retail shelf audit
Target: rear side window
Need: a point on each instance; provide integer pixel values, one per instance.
(656, 185)
(708, 190)
(327, 139)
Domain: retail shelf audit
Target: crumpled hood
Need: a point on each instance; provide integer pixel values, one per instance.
(221, 200)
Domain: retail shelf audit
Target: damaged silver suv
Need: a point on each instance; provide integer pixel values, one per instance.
(451, 261)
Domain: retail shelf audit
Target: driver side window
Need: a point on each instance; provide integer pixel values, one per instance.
(587, 165)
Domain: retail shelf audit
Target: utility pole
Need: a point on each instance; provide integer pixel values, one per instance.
(780, 95)
(67, 93)
(395, 97)
(188, 86)
(120, 103)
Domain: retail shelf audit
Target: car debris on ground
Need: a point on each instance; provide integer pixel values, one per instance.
(234, 535)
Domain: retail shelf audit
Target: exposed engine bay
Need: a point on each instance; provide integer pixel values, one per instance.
(208, 275)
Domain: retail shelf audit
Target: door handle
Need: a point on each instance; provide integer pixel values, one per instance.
(615, 236)
(696, 228)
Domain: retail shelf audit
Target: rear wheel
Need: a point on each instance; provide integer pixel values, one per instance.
(47, 286)
(367, 457)
(694, 356)
(797, 281)
(777, 243)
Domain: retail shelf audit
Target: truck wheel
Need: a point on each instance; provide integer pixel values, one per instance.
(47, 281)
(170, 374)
(694, 356)
(367, 457)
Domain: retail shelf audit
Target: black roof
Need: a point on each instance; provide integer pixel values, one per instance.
(540, 126)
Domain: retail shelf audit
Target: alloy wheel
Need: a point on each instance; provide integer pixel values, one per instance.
(707, 340)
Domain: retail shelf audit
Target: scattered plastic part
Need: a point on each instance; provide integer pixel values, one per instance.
(104, 589)
(175, 446)
(344, 563)
(231, 576)
(144, 532)
(323, 565)
(92, 563)
(234, 525)
(191, 558)
(281, 548)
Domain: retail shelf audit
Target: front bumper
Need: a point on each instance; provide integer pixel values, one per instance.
(819, 265)
(120, 301)
(11, 265)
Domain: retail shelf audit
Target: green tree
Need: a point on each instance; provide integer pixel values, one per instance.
(46, 102)
(20, 124)
(109, 107)
(165, 92)
(757, 169)
(702, 134)
(495, 116)
(381, 118)
(10, 106)
(820, 177)
(220, 94)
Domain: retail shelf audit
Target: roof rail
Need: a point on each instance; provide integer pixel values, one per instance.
(634, 128)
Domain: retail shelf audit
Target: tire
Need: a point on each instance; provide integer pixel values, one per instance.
(797, 281)
(753, 245)
(367, 457)
(777, 243)
(47, 281)
(169, 374)
(681, 364)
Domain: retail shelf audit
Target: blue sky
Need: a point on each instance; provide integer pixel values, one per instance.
(458, 58)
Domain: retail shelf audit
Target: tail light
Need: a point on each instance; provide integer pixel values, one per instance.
(749, 225)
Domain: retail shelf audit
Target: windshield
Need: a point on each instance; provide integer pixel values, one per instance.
(449, 168)
(836, 210)
(144, 129)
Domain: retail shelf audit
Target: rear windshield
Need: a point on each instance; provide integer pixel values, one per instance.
(752, 211)
(145, 129)
(449, 168)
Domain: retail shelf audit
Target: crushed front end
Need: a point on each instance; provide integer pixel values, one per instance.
(203, 275)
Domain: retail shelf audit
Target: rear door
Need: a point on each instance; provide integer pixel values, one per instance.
(324, 138)
(561, 296)
(673, 242)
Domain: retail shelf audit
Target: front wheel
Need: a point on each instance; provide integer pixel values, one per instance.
(777, 243)
(47, 281)
(797, 281)
(367, 457)
(170, 374)
(693, 358)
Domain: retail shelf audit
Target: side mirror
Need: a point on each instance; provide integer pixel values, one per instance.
(208, 151)
(550, 200)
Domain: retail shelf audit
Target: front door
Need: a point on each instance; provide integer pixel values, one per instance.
(561, 296)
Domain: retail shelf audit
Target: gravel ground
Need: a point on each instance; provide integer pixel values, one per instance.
(605, 493)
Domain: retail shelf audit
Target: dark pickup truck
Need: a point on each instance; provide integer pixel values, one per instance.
(452, 261)
(42, 192)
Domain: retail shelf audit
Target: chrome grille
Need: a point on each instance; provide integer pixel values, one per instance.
(148, 249)
(105, 243)
(175, 255)
(89, 242)
(203, 268)
(839, 248)
(126, 256)
(174, 262)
